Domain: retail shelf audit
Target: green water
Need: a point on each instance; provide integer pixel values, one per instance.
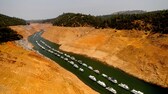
(132, 82)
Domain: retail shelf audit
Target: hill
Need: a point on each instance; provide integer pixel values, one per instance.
(154, 21)
(7, 34)
(75, 20)
(143, 55)
(26, 72)
(130, 12)
(10, 21)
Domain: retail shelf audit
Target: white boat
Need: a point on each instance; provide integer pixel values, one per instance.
(66, 59)
(54, 49)
(101, 83)
(97, 71)
(62, 57)
(85, 65)
(40, 45)
(111, 90)
(90, 67)
(50, 51)
(92, 77)
(76, 66)
(80, 61)
(104, 75)
(136, 92)
(73, 58)
(80, 69)
(112, 80)
(71, 62)
(67, 55)
(61, 53)
(58, 55)
(55, 54)
(123, 86)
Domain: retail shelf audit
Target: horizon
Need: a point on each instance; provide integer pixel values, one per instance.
(41, 9)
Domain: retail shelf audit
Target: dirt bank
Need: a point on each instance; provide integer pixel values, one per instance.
(26, 72)
(142, 55)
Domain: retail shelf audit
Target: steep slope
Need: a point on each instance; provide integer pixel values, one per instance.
(10, 21)
(26, 72)
(135, 52)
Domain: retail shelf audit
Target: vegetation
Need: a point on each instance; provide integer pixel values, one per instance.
(10, 21)
(75, 20)
(155, 21)
(151, 21)
(7, 34)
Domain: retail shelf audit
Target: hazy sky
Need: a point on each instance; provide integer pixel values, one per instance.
(41, 9)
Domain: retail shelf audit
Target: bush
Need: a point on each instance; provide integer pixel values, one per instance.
(7, 34)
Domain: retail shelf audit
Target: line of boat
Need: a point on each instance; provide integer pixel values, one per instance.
(72, 60)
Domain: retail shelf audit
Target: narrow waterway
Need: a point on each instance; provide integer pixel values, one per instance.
(120, 76)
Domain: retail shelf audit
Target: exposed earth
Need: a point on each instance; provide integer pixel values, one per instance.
(24, 71)
(140, 54)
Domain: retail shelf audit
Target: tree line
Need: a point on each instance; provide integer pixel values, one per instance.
(75, 20)
(155, 21)
(7, 34)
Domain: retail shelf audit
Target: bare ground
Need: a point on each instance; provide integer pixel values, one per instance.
(143, 55)
(26, 72)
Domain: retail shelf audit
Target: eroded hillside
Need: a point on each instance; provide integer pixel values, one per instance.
(26, 72)
(143, 55)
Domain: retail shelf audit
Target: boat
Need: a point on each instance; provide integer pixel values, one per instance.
(85, 65)
(54, 49)
(62, 57)
(80, 69)
(76, 66)
(58, 55)
(73, 58)
(80, 61)
(67, 55)
(111, 90)
(66, 59)
(90, 67)
(136, 91)
(101, 83)
(50, 51)
(71, 62)
(97, 71)
(104, 75)
(123, 86)
(112, 80)
(92, 77)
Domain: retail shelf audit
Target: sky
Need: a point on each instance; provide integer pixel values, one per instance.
(44, 9)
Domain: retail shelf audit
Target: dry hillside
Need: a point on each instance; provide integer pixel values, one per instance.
(142, 55)
(26, 72)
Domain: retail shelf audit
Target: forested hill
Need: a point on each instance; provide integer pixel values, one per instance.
(7, 34)
(10, 21)
(75, 20)
(156, 21)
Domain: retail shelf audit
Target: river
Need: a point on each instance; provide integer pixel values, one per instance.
(120, 76)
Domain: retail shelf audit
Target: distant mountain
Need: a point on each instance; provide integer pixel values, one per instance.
(10, 21)
(130, 12)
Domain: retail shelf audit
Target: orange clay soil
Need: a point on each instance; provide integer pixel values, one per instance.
(27, 72)
(142, 55)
